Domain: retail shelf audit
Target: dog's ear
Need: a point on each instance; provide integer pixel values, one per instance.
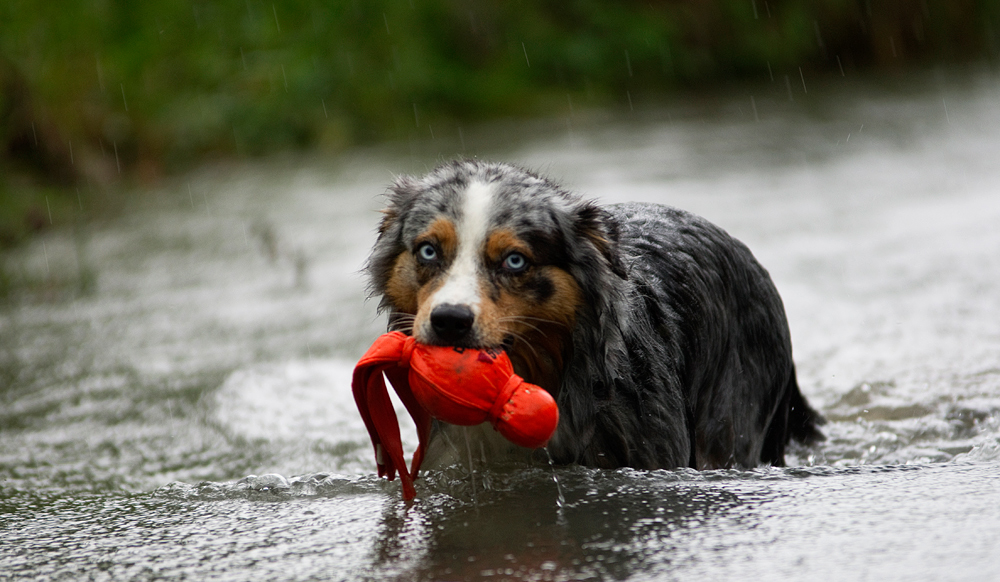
(400, 196)
(596, 225)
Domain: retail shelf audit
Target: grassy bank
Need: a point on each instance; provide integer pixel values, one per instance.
(93, 92)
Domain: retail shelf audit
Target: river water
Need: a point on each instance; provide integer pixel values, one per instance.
(174, 381)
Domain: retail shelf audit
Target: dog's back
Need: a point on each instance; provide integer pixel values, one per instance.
(715, 309)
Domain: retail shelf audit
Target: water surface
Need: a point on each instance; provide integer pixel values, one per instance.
(175, 393)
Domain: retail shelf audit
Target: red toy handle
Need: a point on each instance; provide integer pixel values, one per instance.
(457, 385)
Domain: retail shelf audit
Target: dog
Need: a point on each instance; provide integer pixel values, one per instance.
(662, 339)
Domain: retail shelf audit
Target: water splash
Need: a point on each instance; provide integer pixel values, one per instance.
(472, 471)
(560, 498)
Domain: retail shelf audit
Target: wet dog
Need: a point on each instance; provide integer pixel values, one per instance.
(662, 339)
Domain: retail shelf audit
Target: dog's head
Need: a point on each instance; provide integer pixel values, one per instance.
(491, 256)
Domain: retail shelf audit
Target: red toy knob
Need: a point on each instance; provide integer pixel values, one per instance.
(529, 418)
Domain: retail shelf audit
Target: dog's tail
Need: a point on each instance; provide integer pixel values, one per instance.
(803, 421)
(794, 419)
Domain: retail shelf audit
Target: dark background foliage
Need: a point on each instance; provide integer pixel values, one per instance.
(93, 92)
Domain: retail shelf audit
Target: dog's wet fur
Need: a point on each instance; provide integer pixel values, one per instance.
(662, 339)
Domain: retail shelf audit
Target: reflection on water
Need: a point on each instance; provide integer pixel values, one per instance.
(174, 396)
(832, 524)
(604, 530)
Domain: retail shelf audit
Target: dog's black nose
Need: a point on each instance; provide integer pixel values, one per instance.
(452, 323)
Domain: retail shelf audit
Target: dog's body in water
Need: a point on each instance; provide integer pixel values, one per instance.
(662, 339)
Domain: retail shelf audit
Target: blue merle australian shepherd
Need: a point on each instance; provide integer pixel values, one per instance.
(661, 338)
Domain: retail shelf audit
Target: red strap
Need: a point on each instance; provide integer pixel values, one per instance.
(386, 426)
(390, 356)
(399, 378)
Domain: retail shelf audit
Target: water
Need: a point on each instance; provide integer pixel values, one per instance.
(174, 381)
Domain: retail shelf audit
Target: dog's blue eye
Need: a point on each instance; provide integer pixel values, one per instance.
(515, 262)
(427, 253)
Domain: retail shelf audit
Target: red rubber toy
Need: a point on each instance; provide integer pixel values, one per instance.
(460, 386)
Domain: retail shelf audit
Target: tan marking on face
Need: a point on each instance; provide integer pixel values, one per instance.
(406, 292)
(424, 293)
(442, 233)
(541, 331)
(402, 287)
(502, 242)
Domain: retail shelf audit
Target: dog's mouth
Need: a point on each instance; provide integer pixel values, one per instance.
(505, 345)
(404, 322)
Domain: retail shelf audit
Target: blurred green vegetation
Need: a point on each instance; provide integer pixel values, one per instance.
(93, 91)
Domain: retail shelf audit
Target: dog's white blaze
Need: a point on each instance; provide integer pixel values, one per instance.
(461, 287)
